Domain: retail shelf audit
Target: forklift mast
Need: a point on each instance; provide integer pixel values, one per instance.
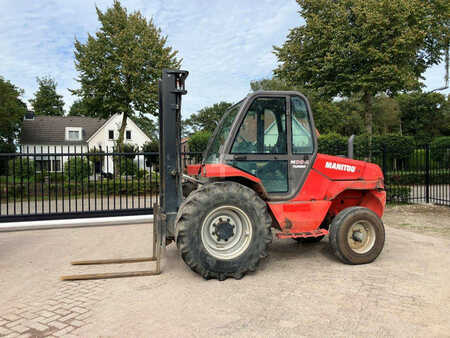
(171, 88)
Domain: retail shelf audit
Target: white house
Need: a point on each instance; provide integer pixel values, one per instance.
(47, 135)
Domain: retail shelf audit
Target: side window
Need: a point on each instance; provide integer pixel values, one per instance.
(263, 130)
(302, 141)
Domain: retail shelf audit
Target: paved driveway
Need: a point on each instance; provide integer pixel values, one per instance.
(299, 290)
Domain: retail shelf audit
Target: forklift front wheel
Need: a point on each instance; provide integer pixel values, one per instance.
(223, 230)
(357, 235)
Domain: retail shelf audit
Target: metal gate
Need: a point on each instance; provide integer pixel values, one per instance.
(50, 183)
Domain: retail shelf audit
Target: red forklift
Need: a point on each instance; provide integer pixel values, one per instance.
(261, 175)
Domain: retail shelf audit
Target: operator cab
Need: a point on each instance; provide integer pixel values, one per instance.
(269, 135)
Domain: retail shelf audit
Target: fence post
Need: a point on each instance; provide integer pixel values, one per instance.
(427, 173)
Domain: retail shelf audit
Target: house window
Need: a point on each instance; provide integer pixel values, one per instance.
(128, 134)
(111, 134)
(56, 165)
(73, 134)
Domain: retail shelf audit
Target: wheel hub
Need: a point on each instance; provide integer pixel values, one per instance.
(223, 229)
(361, 237)
(226, 232)
(358, 236)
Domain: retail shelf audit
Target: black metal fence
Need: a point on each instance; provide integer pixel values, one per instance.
(419, 176)
(52, 183)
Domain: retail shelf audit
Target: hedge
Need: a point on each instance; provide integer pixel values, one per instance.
(395, 194)
(397, 146)
(105, 188)
(77, 168)
(440, 150)
(417, 177)
(21, 167)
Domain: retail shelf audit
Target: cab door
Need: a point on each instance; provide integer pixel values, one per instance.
(260, 145)
(303, 142)
(274, 142)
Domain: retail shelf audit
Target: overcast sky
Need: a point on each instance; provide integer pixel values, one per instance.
(224, 44)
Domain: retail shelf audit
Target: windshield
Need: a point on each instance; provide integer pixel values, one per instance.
(221, 134)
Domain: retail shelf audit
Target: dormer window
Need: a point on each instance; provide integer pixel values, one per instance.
(73, 134)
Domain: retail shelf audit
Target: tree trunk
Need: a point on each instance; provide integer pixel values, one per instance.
(122, 131)
(368, 106)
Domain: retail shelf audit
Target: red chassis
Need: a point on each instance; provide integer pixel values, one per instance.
(333, 184)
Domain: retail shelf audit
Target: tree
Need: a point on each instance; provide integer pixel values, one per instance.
(364, 47)
(329, 116)
(120, 66)
(12, 111)
(79, 108)
(207, 118)
(146, 125)
(424, 115)
(46, 100)
(199, 141)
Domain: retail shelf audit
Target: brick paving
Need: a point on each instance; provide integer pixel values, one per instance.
(54, 314)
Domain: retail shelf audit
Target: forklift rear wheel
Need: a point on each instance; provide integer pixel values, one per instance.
(223, 230)
(357, 235)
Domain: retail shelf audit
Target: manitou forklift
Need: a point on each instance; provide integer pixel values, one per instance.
(261, 173)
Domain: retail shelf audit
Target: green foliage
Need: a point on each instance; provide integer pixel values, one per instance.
(12, 111)
(146, 125)
(207, 118)
(5, 148)
(199, 141)
(21, 167)
(386, 115)
(120, 66)
(151, 147)
(424, 115)
(96, 155)
(142, 173)
(396, 146)
(417, 177)
(332, 144)
(364, 47)
(130, 149)
(398, 194)
(79, 108)
(440, 151)
(126, 166)
(77, 168)
(46, 100)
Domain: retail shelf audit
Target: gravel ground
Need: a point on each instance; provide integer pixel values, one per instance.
(300, 290)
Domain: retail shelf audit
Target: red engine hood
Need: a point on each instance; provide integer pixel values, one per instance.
(340, 168)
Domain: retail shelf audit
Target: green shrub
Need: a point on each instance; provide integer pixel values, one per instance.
(396, 194)
(21, 167)
(440, 151)
(333, 144)
(142, 173)
(151, 147)
(131, 149)
(199, 141)
(126, 166)
(77, 168)
(5, 148)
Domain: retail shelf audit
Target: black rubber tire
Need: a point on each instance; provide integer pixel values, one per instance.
(308, 239)
(339, 231)
(189, 223)
(188, 188)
